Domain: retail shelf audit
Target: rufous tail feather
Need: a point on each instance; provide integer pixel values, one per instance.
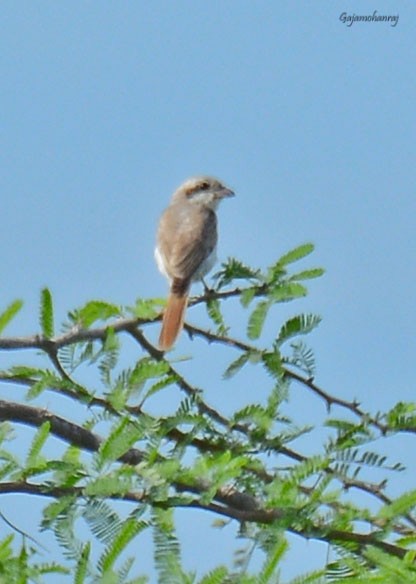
(173, 318)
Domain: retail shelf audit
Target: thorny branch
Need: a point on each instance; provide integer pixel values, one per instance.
(131, 327)
(227, 501)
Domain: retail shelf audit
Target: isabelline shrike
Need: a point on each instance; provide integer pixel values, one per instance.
(186, 246)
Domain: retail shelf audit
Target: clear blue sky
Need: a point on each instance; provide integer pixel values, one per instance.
(107, 106)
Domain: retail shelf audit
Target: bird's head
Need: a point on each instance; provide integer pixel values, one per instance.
(202, 190)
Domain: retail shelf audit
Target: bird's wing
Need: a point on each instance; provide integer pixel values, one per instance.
(187, 236)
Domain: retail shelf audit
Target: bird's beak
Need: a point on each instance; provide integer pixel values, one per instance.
(225, 192)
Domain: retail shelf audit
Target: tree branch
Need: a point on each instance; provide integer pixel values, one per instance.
(227, 501)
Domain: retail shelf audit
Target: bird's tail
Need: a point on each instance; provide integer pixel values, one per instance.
(174, 314)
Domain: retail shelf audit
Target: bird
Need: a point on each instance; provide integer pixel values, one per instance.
(186, 246)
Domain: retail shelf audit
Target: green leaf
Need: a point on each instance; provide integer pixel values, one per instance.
(308, 274)
(107, 486)
(315, 577)
(51, 568)
(167, 551)
(118, 397)
(64, 530)
(46, 381)
(287, 291)
(8, 469)
(402, 416)
(102, 520)
(273, 558)
(147, 309)
(298, 325)
(23, 372)
(233, 269)
(296, 254)
(9, 313)
(302, 357)
(127, 533)
(59, 507)
(216, 576)
(46, 313)
(82, 565)
(37, 444)
(161, 384)
(5, 548)
(307, 468)
(214, 312)
(257, 318)
(119, 441)
(253, 414)
(236, 365)
(277, 271)
(273, 363)
(145, 369)
(108, 356)
(93, 311)
(247, 295)
(400, 506)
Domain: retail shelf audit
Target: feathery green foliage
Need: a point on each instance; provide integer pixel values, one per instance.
(122, 437)
(20, 566)
(297, 325)
(167, 549)
(214, 312)
(128, 531)
(268, 573)
(236, 365)
(147, 309)
(46, 318)
(93, 311)
(402, 416)
(401, 506)
(217, 576)
(81, 570)
(135, 438)
(33, 457)
(302, 358)
(7, 315)
(296, 254)
(232, 270)
(103, 521)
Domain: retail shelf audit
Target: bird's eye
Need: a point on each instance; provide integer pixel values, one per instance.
(197, 187)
